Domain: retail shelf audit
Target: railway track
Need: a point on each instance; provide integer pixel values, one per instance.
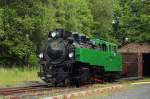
(44, 87)
(37, 88)
(16, 90)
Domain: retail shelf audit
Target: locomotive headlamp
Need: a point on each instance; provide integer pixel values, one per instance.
(53, 34)
(41, 55)
(71, 55)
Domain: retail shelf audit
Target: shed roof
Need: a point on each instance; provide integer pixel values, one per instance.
(135, 48)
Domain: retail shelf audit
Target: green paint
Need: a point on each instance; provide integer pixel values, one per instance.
(109, 59)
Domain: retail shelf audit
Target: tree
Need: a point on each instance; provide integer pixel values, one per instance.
(133, 20)
(73, 15)
(102, 15)
(25, 23)
(21, 24)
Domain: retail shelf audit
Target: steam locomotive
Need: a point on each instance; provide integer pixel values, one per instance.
(73, 58)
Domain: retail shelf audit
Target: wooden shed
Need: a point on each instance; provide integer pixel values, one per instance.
(136, 59)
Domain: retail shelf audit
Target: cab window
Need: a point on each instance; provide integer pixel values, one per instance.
(110, 48)
(104, 47)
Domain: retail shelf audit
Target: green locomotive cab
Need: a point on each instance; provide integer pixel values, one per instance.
(104, 55)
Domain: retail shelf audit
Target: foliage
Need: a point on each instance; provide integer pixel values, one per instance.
(102, 14)
(24, 24)
(73, 16)
(133, 17)
(33, 60)
(18, 23)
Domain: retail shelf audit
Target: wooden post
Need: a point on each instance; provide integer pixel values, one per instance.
(140, 65)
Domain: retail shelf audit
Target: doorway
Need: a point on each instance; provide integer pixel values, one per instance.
(146, 65)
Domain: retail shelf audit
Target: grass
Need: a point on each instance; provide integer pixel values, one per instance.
(145, 79)
(12, 76)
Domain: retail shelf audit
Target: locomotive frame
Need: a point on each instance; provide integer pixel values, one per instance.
(71, 58)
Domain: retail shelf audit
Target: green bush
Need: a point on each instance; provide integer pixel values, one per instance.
(33, 60)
